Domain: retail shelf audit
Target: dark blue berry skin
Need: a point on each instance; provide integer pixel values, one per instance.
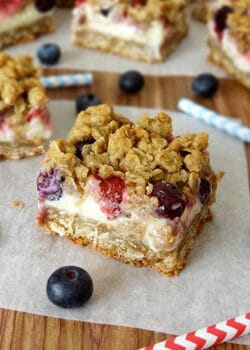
(44, 5)
(49, 54)
(86, 100)
(205, 85)
(131, 82)
(69, 286)
(49, 184)
(204, 191)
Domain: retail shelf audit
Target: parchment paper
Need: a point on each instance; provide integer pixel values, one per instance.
(190, 57)
(213, 287)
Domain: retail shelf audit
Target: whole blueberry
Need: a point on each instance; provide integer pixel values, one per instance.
(69, 286)
(44, 5)
(205, 85)
(49, 53)
(131, 82)
(85, 100)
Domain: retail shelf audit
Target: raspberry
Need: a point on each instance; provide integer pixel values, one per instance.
(8, 7)
(39, 112)
(111, 191)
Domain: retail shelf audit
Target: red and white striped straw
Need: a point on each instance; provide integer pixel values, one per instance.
(206, 337)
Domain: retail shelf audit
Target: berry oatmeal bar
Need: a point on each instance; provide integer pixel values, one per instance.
(24, 115)
(132, 191)
(229, 38)
(24, 20)
(145, 30)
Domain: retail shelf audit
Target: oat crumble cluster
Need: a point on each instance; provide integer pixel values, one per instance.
(143, 153)
(24, 115)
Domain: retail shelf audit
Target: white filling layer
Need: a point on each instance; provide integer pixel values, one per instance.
(153, 36)
(36, 128)
(157, 229)
(6, 134)
(21, 18)
(229, 46)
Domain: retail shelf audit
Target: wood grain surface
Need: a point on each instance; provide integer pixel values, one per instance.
(33, 332)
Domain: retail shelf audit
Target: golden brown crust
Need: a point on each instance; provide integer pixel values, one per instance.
(27, 33)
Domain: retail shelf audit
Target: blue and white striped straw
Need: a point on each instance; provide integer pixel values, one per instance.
(67, 80)
(214, 119)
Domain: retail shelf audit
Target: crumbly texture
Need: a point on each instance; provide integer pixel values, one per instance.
(27, 33)
(144, 152)
(20, 92)
(141, 153)
(169, 12)
(217, 56)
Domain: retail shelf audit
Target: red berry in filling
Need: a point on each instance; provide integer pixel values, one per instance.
(138, 2)
(220, 18)
(39, 112)
(80, 2)
(111, 191)
(171, 201)
(8, 7)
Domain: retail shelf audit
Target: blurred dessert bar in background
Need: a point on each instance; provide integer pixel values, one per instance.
(229, 38)
(24, 115)
(147, 30)
(24, 20)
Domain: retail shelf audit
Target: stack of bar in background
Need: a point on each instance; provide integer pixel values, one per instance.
(229, 38)
(23, 21)
(142, 30)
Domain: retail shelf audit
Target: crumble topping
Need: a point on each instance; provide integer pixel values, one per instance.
(145, 10)
(142, 153)
(239, 28)
(19, 83)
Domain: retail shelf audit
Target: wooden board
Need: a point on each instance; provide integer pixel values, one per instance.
(32, 332)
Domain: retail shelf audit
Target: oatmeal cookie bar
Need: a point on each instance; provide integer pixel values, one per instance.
(132, 191)
(145, 30)
(229, 38)
(24, 115)
(21, 21)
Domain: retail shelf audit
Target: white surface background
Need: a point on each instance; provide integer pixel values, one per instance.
(190, 57)
(213, 287)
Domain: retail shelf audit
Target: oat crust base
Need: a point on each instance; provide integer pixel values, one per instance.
(26, 33)
(218, 57)
(98, 41)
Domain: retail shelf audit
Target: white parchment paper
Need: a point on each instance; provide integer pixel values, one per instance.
(213, 287)
(190, 57)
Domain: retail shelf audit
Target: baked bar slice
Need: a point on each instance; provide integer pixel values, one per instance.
(21, 21)
(145, 30)
(131, 191)
(24, 115)
(229, 38)
(201, 9)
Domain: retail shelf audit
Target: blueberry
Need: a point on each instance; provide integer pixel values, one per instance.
(171, 201)
(49, 184)
(69, 286)
(44, 5)
(131, 82)
(204, 191)
(79, 145)
(86, 100)
(220, 17)
(205, 85)
(49, 53)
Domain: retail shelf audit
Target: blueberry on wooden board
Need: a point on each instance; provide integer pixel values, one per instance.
(69, 286)
(205, 85)
(131, 82)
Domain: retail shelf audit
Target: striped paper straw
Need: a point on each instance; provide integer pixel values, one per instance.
(212, 118)
(67, 80)
(206, 337)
